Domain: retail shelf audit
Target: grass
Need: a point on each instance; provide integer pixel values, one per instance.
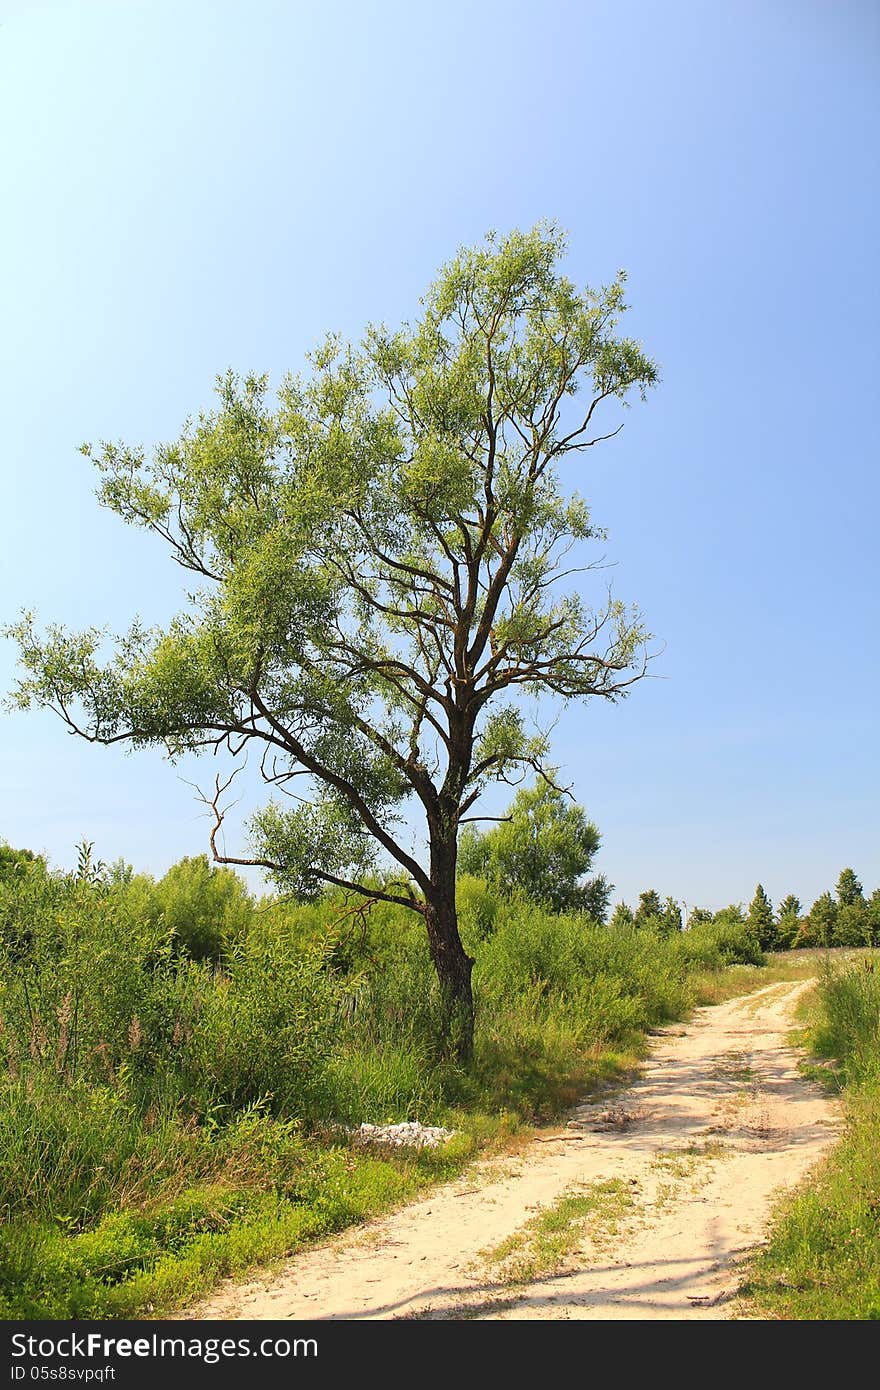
(823, 1256)
(732, 1066)
(165, 1123)
(684, 1165)
(823, 1259)
(148, 1261)
(543, 1245)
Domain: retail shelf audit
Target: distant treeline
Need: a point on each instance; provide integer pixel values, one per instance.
(845, 917)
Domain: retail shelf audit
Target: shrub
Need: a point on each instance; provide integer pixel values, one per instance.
(265, 1030)
(850, 1029)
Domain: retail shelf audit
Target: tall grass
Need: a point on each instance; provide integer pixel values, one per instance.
(160, 1113)
(823, 1258)
(850, 1026)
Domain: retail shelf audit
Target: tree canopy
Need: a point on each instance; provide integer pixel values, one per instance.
(16, 862)
(544, 848)
(379, 554)
(761, 919)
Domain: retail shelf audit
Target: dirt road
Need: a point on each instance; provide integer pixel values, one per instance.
(656, 1196)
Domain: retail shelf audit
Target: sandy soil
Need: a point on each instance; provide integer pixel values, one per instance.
(719, 1123)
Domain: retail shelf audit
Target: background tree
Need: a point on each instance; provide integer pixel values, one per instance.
(649, 907)
(817, 928)
(730, 916)
(671, 916)
(621, 917)
(206, 908)
(379, 556)
(16, 862)
(790, 906)
(852, 925)
(651, 913)
(761, 919)
(849, 889)
(872, 913)
(788, 921)
(699, 916)
(544, 848)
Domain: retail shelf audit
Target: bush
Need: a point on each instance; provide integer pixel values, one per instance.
(206, 909)
(265, 1030)
(726, 940)
(850, 1030)
(478, 906)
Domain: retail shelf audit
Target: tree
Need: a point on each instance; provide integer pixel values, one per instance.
(852, 925)
(789, 907)
(872, 915)
(622, 918)
(379, 553)
(660, 917)
(817, 928)
(206, 908)
(544, 847)
(15, 863)
(788, 921)
(761, 919)
(648, 908)
(730, 916)
(849, 889)
(671, 917)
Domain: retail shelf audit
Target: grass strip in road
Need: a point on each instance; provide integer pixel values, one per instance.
(546, 1242)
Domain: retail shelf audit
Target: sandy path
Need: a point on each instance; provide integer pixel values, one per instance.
(720, 1121)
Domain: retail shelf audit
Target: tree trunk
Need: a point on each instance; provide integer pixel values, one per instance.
(451, 960)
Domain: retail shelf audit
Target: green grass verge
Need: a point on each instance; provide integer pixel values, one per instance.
(823, 1258)
(822, 1261)
(138, 1263)
(120, 1212)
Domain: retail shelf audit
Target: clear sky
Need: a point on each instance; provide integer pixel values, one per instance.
(194, 185)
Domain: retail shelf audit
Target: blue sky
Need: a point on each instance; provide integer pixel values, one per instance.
(194, 186)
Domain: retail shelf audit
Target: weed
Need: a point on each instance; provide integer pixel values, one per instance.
(545, 1243)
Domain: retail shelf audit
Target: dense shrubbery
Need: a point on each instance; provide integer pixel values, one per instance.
(156, 1045)
(315, 1011)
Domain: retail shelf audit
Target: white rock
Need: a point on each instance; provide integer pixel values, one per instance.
(408, 1134)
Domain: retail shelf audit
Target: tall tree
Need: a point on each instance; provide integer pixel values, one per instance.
(817, 928)
(789, 907)
(761, 919)
(852, 926)
(379, 556)
(788, 922)
(849, 889)
(649, 907)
